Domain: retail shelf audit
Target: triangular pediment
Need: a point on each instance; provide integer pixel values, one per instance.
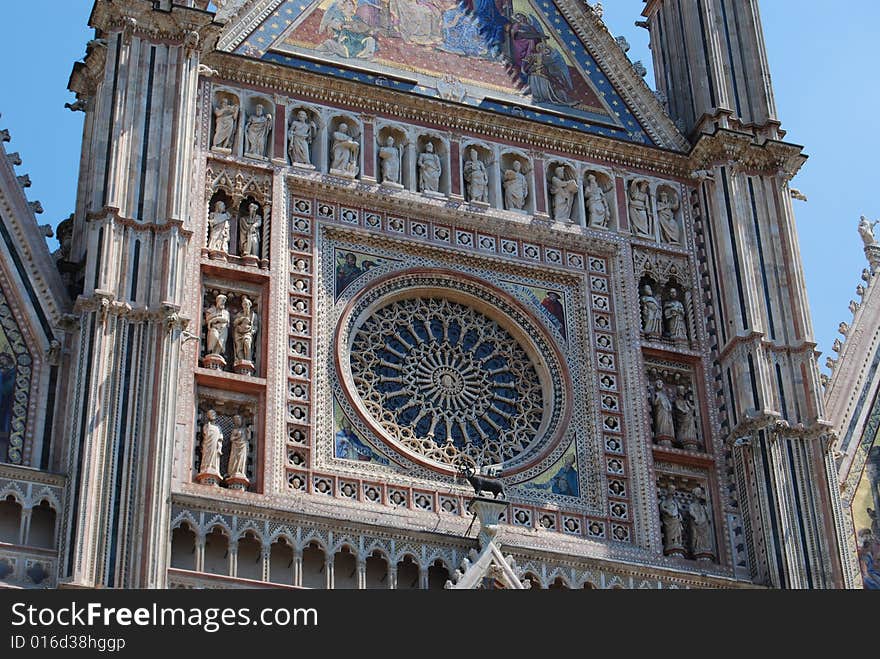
(536, 59)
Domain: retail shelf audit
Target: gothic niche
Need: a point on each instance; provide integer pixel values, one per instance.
(479, 186)
(250, 228)
(686, 518)
(641, 212)
(345, 147)
(665, 303)
(516, 183)
(225, 444)
(392, 157)
(432, 170)
(562, 192)
(258, 128)
(669, 216)
(219, 226)
(226, 108)
(239, 210)
(231, 325)
(674, 404)
(305, 147)
(600, 200)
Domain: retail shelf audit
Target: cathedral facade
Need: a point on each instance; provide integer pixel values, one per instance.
(332, 262)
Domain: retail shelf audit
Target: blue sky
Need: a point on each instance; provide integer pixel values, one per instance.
(820, 59)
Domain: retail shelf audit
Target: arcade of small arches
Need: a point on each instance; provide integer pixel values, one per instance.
(280, 560)
(28, 524)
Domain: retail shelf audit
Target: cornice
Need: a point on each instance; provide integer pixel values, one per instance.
(144, 19)
(30, 475)
(742, 151)
(111, 213)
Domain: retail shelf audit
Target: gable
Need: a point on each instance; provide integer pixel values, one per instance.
(516, 57)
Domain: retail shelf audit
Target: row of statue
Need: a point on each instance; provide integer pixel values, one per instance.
(674, 420)
(657, 312)
(249, 224)
(700, 545)
(244, 328)
(641, 218)
(256, 129)
(212, 450)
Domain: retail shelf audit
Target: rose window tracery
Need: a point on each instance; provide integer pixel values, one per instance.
(446, 381)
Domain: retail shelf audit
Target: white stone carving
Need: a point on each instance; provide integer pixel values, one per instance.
(257, 132)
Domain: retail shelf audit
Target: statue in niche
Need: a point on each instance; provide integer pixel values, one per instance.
(212, 449)
(429, 170)
(218, 228)
(639, 209)
(667, 206)
(670, 517)
(516, 188)
(664, 427)
(244, 328)
(239, 443)
(389, 162)
(866, 231)
(225, 116)
(476, 178)
(248, 232)
(217, 327)
(652, 320)
(673, 311)
(563, 192)
(685, 421)
(257, 132)
(300, 136)
(702, 546)
(597, 205)
(344, 152)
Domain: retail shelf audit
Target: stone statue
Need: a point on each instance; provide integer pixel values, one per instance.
(429, 170)
(476, 178)
(597, 205)
(218, 229)
(639, 209)
(702, 546)
(212, 449)
(248, 232)
(389, 162)
(685, 422)
(299, 137)
(652, 321)
(217, 327)
(257, 132)
(344, 152)
(670, 517)
(866, 231)
(225, 116)
(244, 328)
(667, 206)
(674, 313)
(563, 192)
(516, 188)
(236, 470)
(664, 428)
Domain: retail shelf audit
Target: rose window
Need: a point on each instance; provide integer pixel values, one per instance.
(446, 381)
